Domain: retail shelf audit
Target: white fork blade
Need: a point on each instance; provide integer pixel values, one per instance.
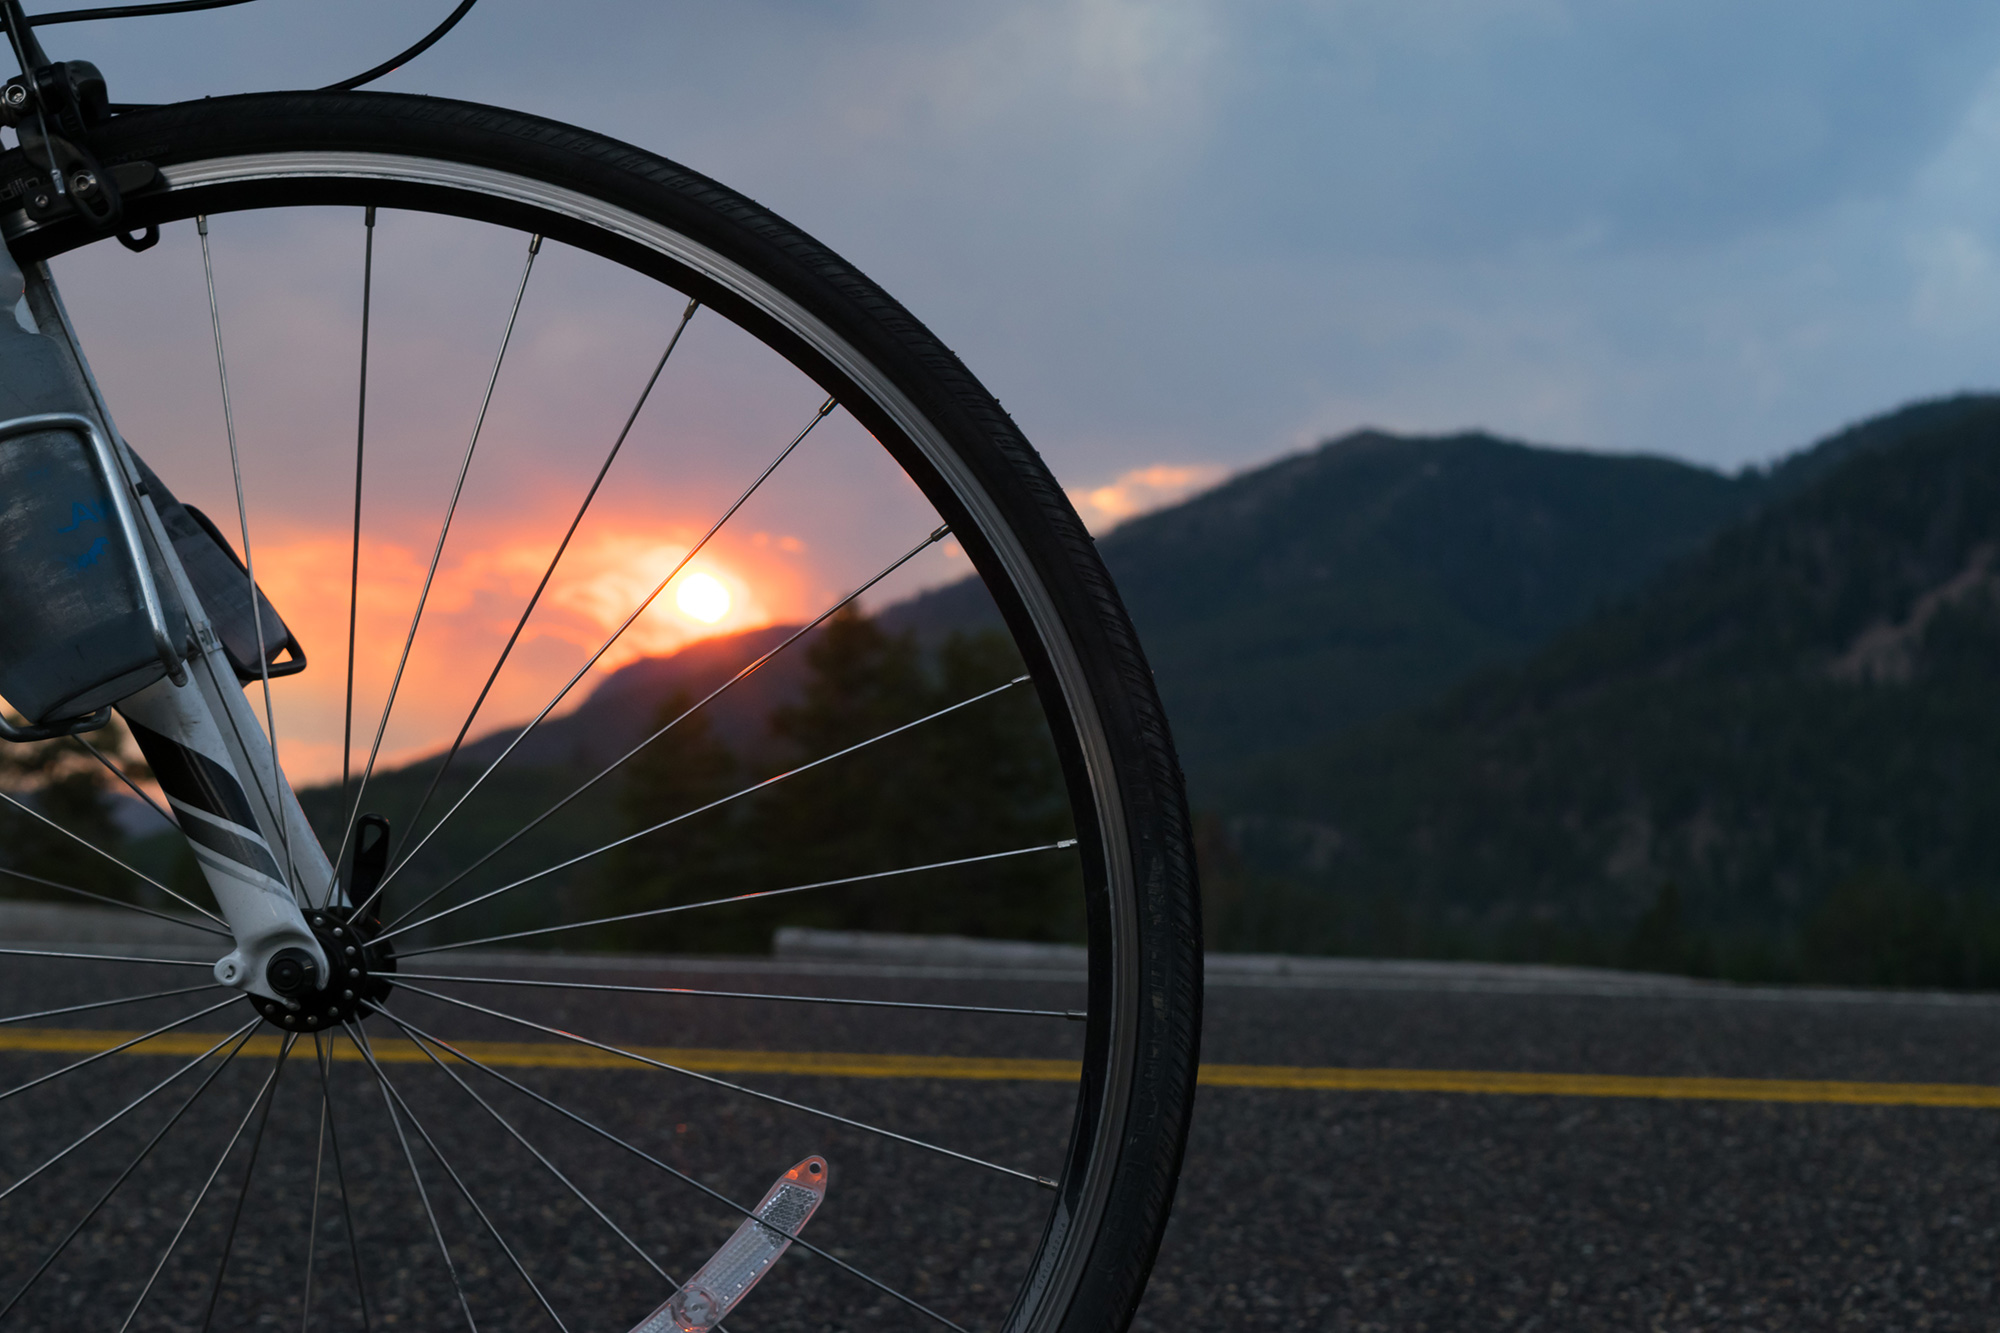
(746, 1256)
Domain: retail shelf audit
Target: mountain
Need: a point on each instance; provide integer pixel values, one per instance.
(1371, 574)
(1790, 741)
(1289, 604)
(555, 760)
(621, 709)
(1457, 695)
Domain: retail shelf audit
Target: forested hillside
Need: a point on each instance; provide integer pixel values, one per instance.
(1783, 757)
(552, 828)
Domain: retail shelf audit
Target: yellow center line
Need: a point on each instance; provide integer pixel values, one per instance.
(1509, 1083)
(560, 1055)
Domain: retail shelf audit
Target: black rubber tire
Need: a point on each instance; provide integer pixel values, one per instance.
(1145, 974)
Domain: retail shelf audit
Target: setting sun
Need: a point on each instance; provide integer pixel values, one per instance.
(703, 597)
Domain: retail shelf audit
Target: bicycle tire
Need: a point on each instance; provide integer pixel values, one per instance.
(951, 437)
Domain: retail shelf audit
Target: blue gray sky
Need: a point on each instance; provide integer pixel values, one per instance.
(1198, 234)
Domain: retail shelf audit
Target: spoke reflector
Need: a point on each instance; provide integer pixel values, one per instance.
(746, 1256)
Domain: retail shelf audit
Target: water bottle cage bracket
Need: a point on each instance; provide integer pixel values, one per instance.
(74, 726)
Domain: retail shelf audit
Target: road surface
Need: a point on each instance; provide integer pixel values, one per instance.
(1618, 1154)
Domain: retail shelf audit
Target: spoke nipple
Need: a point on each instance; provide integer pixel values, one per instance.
(943, 531)
(827, 407)
(1066, 842)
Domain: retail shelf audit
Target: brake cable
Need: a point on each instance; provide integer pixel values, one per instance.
(72, 94)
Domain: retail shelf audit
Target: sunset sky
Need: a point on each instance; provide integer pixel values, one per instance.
(587, 339)
(1175, 237)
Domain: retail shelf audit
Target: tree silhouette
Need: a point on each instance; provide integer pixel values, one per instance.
(61, 782)
(982, 779)
(693, 859)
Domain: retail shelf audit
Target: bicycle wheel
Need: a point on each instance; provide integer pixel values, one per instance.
(535, 1157)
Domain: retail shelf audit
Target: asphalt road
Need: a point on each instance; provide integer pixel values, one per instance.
(1299, 1207)
(1419, 1211)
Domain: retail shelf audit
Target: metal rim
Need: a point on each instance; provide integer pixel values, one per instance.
(1079, 1207)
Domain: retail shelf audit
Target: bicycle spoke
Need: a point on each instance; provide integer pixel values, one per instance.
(107, 1004)
(825, 409)
(128, 1108)
(249, 556)
(679, 1175)
(521, 1139)
(423, 1195)
(103, 957)
(464, 1192)
(312, 1214)
(710, 1079)
(114, 902)
(340, 1179)
(126, 778)
(687, 713)
(535, 598)
(437, 553)
(82, 841)
(126, 1174)
(121, 1046)
(174, 1241)
(735, 898)
(1073, 1014)
(360, 440)
(249, 1173)
(738, 795)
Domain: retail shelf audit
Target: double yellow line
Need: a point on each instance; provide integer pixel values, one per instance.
(831, 1064)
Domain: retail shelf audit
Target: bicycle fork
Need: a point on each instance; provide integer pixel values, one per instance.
(199, 734)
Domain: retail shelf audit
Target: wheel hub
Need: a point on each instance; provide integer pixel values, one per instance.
(361, 966)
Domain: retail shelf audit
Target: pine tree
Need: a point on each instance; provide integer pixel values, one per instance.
(691, 860)
(981, 779)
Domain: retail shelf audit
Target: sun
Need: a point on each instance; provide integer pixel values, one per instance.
(703, 597)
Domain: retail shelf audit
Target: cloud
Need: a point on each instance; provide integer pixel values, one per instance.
(1140, 490)
(483, 584)
(1440, 126)
(1220, 229)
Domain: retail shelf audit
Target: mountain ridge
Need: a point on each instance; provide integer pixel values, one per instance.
(1369, 598)
(1447, 554)
(1337, 585)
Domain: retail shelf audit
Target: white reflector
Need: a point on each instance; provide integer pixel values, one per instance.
(746, 1256)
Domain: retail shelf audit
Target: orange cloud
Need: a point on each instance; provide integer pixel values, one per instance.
(482, 584)
(1140, 490)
